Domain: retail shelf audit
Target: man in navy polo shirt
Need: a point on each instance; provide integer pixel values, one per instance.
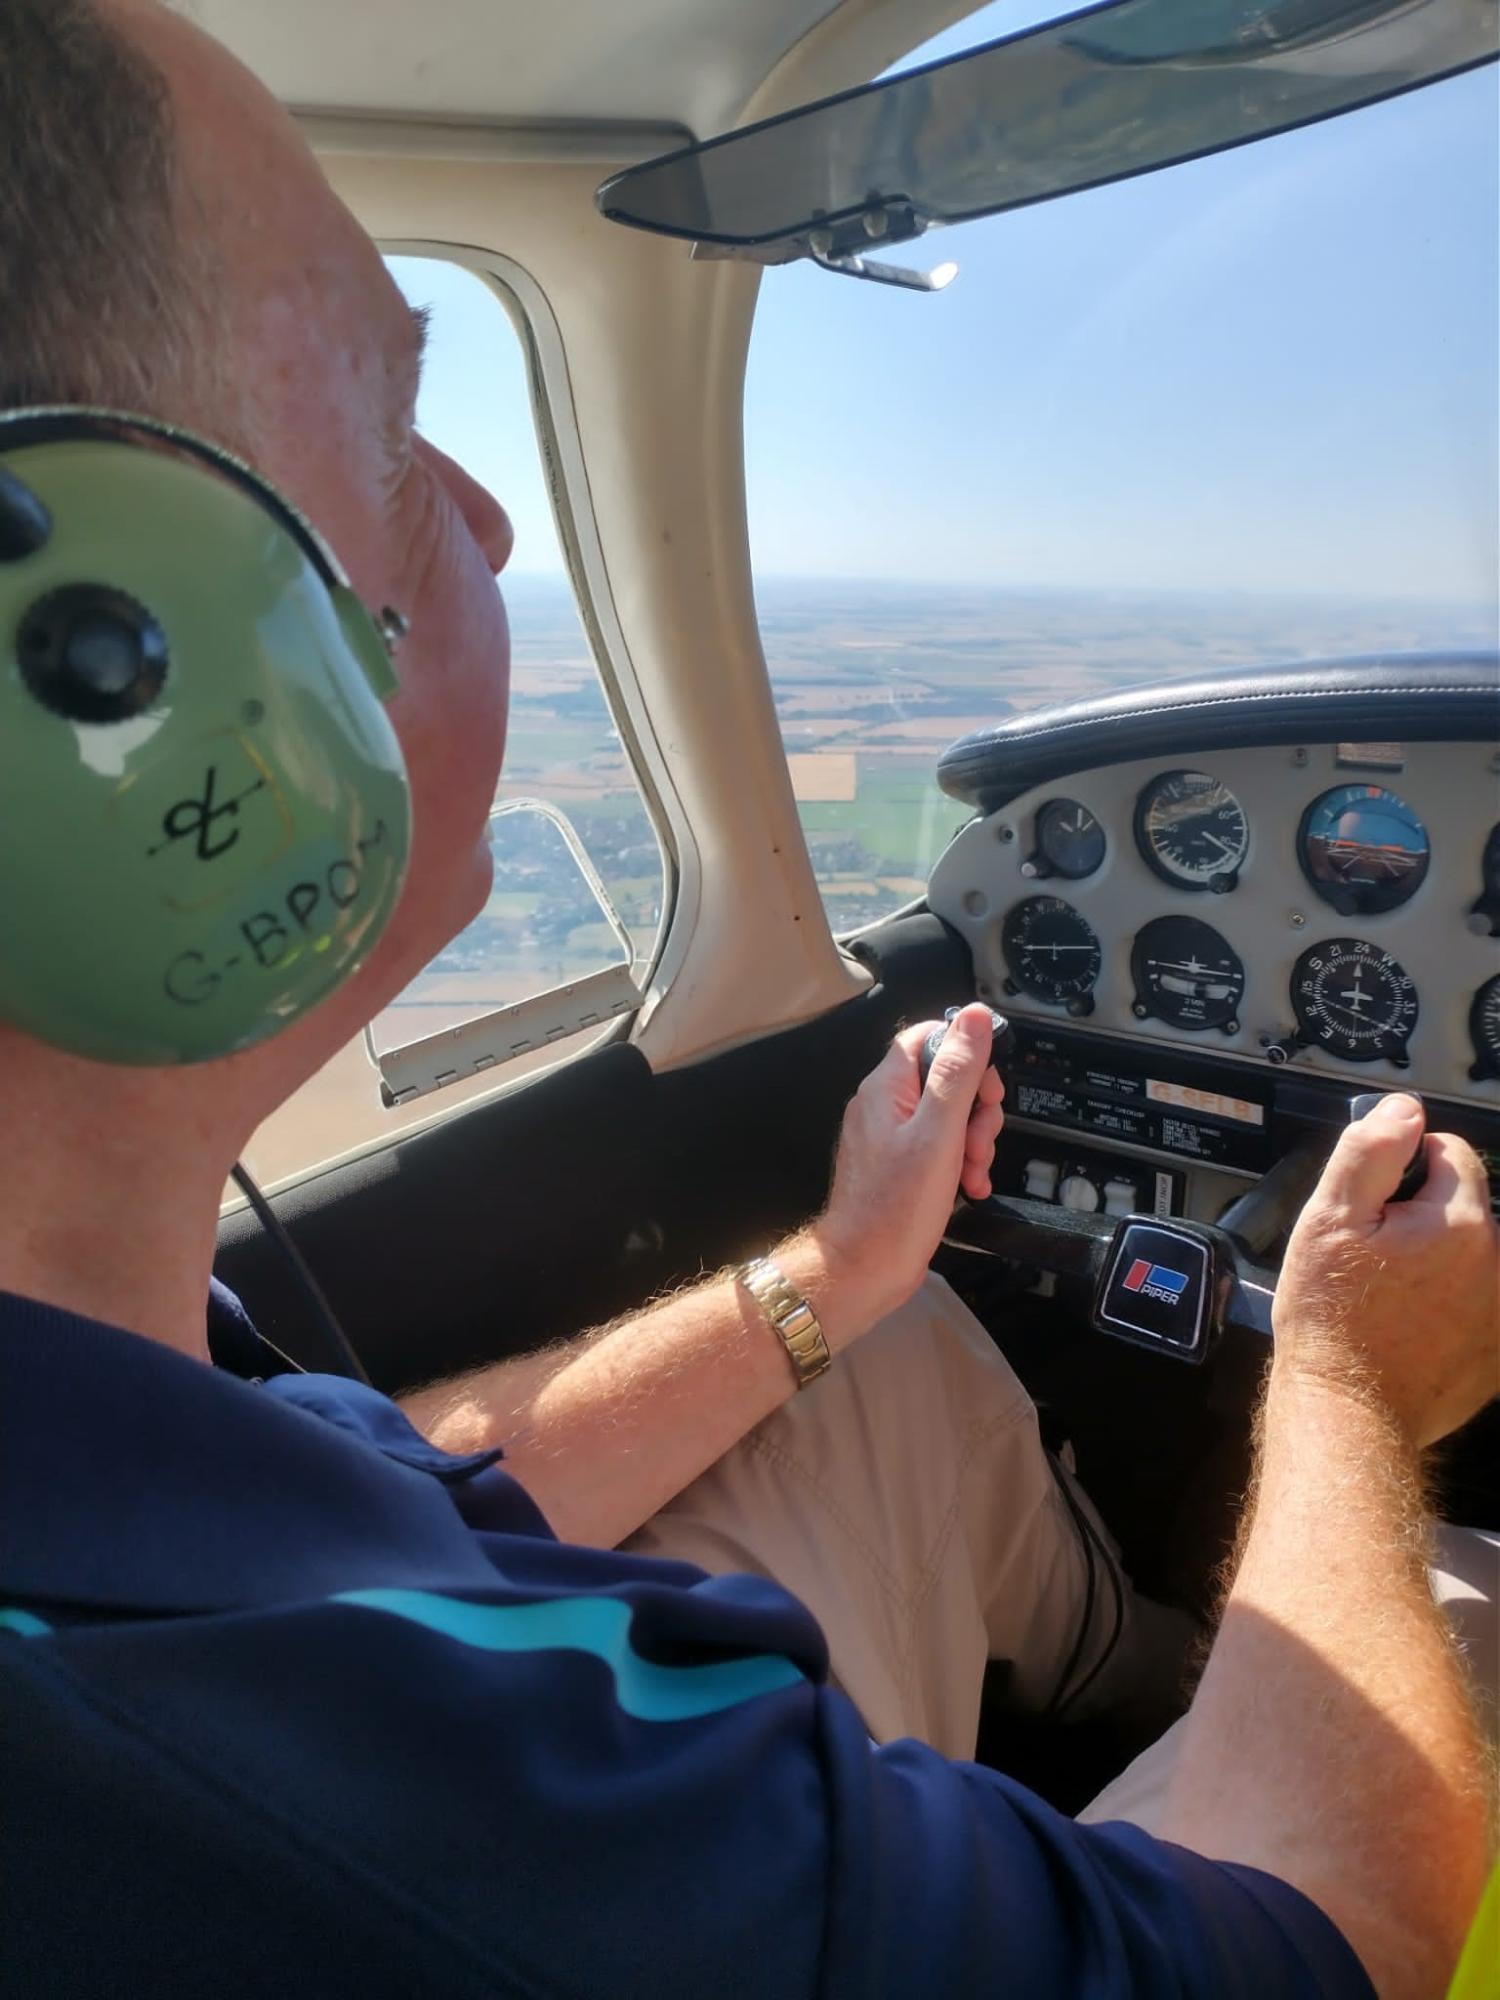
(294, 1698)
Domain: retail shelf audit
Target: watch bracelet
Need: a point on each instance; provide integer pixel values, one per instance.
(792, 1319)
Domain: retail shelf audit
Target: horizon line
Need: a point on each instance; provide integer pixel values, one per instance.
(1278, 593)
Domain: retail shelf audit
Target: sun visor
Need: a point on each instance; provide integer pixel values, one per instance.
(1099, 96)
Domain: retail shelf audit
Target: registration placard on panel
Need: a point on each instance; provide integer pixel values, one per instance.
(1209, 1103)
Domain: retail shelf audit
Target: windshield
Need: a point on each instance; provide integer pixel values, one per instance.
(1239, 413)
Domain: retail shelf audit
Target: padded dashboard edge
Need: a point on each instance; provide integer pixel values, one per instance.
(1413, 697)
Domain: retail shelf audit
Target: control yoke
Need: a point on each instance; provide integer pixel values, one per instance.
(1158, 1281)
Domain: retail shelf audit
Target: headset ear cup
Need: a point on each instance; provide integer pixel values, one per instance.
(198, 869)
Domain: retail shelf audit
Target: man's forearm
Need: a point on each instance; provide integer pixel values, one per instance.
(603, 1431)
(1331, 1741)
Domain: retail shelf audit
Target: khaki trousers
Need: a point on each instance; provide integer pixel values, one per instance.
(907, 1501)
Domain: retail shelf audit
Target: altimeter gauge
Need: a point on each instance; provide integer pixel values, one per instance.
(1484, 1027)
(1186, 975)
(1051, 952)
(1192, 830)
(1354, 1000)
(1363, 849)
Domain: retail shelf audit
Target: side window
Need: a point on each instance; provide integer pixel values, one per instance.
(579, 879)
(1236, 412)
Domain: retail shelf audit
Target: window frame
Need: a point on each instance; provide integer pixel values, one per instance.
(560, 452)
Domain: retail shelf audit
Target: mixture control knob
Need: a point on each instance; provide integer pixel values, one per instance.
(1078, 1192)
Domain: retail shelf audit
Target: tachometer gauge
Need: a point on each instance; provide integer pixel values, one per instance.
(1187, 975)
(1363, 849)
(1051, 952)
(1484, 1026)
(1354, 1000)
(1192, 830)
(1069, 841)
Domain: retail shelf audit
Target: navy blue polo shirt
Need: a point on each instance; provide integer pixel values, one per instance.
(292, 1702)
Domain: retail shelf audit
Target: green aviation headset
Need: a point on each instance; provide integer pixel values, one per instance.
(204, 814)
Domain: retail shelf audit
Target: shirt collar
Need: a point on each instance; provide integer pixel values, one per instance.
(135, 1479)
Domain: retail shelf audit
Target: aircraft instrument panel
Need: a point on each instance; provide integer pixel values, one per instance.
(1174, 937)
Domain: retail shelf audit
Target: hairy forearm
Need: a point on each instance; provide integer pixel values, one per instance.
(1331, 1741)
(604, 1430)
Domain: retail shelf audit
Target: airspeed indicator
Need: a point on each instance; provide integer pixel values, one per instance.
(1354, 1000)
(1192, 830)
(1051, 952)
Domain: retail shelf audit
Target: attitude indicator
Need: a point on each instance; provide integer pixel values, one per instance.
(1363, 849)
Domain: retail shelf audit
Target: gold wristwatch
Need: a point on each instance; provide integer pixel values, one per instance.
(793, 1318)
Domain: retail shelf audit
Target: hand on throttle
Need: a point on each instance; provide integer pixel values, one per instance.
(1402, 1299)
(904, 1152)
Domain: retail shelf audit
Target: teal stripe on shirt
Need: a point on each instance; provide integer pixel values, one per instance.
(597, 1625)
(25, 1622)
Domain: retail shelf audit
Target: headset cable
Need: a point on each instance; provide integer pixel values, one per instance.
(340, 1357)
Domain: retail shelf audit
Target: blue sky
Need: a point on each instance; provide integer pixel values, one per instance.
(1275, 370)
